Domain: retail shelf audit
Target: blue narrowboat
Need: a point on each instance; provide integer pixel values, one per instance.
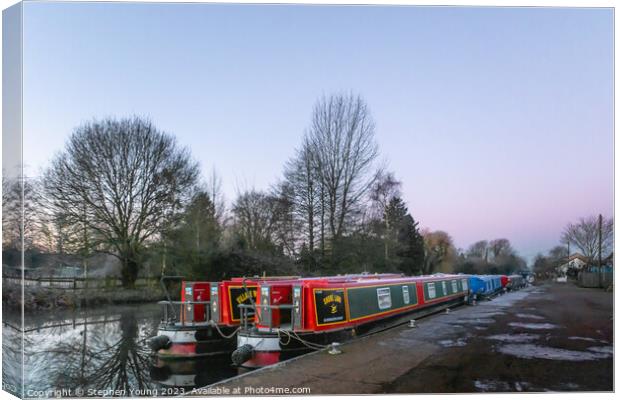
(485, 285)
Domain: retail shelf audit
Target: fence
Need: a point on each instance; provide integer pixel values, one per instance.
(595, 279)
(78, 283)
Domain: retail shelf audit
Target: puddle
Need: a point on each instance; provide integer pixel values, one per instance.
(530, 316)
(533, 326)
(518, 338)
(532, 351)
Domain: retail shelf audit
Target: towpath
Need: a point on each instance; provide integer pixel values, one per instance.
(544, 338)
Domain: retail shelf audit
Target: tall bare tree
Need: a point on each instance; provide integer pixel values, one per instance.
(583, 234)
(385, 188)
(255, 219)
(342, 141)
(213, 187)
(480, 250)
(122, 179)
(500, 248)
(303, 190)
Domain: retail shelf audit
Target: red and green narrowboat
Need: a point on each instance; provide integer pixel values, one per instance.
(316, 311)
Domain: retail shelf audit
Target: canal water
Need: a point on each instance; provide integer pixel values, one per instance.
(100, 351)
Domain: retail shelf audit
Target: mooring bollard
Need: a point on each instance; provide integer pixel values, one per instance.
(334, 349)
(412, 323)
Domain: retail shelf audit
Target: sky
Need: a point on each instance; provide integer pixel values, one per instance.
(498, 121)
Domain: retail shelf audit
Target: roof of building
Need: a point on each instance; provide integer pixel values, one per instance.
(578, 256)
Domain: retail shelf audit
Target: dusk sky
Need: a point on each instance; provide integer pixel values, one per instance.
(498, 121)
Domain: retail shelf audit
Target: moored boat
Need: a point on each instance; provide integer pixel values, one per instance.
(205, 320)
(315, 311)
(516, 282)
(485, 286)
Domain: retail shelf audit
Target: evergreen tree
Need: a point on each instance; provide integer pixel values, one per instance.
(192, 245)
(405, 243)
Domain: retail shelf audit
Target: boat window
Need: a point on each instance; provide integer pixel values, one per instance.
(384, 297)
(464, 284)
(406, 294)
(443, 286)
(431, 290)
(454, 287)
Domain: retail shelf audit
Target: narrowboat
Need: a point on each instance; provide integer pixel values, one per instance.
(206, 318)
(312, 312)
(504, 281)
(516, 282)
(485, 286)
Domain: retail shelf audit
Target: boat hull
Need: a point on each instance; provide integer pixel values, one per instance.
(268, 348)
(191, 342)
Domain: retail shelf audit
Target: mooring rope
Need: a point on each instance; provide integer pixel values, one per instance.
(217, 328)
(280, 339)
(314, 346)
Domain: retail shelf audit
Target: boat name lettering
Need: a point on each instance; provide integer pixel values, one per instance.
(243, 297)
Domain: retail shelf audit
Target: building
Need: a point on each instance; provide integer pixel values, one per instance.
(576, 262)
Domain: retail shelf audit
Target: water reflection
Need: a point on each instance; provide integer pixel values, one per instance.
(103, 350)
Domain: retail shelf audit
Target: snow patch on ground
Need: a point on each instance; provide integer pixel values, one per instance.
(602, 349)
(518, 338)
(588, 339)
(487, 385)
(453, 343)
(470, 321)
(532, 351)
(570, 385)
(529, 316)
(533, 326)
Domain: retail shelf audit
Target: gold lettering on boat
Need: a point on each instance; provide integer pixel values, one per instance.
(332, 298)
(243, 297)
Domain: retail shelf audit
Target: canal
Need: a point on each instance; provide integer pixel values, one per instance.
(102, 349)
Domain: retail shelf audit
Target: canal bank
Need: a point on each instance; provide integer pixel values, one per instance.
(543, 338)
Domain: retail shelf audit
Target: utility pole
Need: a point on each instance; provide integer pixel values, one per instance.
(600, 250)
(567, 256)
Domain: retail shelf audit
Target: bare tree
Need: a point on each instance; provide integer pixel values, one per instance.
(584, 235)
(500, 248)
(121, 178)
(303, 191)
(286, 224)
(213, 187)
(558, 254)
(480, 250)
(385, 188)
(255, 219)
(342, 139)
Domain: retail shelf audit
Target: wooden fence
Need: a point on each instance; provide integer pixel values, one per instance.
(109, 283)
(595, 279)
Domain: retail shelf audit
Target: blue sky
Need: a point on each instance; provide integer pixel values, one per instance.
(498, 121)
